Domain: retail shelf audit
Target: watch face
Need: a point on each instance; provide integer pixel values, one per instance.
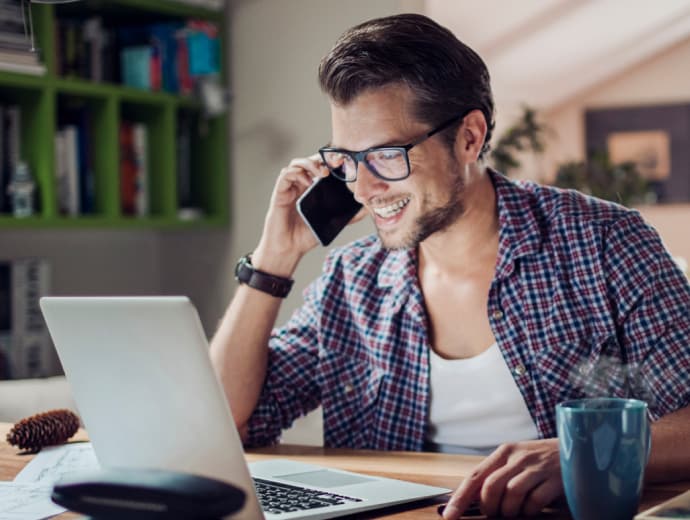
(241, 269)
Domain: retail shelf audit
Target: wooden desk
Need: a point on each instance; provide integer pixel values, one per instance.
(426, 468)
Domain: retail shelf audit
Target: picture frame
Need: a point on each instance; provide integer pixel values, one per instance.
(656, 138)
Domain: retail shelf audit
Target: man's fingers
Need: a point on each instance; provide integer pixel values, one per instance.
(313, 165)
(542, 495)
(469, 489)
(516, 491)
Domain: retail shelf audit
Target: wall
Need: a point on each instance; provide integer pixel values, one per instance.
(661, 80)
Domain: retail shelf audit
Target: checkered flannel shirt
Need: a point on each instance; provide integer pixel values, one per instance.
(585, 301)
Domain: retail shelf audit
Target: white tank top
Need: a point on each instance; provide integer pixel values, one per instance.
(475, 404)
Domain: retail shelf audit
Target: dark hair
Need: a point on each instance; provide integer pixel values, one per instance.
(445, 76)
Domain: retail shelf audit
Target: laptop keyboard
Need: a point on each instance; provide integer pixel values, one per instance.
(277, 498)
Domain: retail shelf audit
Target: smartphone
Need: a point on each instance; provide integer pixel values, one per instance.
(326, 207)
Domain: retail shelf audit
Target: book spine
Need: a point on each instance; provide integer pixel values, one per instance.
(72, 170)
(4, 178)
(6, 320)
(140, 145)
(87, 188)
(33, 350)
(183, 143)
(61, 173)
(128, 169)
(11, 134)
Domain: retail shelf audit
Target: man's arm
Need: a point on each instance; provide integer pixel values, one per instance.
(669, 459)
(239, 349)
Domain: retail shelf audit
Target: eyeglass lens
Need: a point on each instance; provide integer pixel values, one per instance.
(389, 163)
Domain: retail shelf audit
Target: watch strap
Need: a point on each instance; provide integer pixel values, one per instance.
(247, 274)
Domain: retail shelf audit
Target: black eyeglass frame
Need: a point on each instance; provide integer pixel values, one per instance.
(358, 157)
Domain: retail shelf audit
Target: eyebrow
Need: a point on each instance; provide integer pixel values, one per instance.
(329, 144)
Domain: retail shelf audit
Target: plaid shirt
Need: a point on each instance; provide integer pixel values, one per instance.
(585, 301)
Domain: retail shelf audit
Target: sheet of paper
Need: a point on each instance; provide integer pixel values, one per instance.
(26, 501)
(28, 496)
(51, 464)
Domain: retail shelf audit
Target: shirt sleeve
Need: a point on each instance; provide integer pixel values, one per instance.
(651, 298)
(291, 389)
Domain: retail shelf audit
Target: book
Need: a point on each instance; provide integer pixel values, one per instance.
(87, 186)
(5, 320)
(677, 507)
(71, 165)
(94, 41)
(183, 146)
(214, 5)
(128, 169)
(4, 175)
(136, 66)
(10, 150)
(26, 349)
(140, 145)
(35, 70)
(14, 41)
(18, 57)
(61, 173)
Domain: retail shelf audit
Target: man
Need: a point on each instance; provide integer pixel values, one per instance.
(479, 305)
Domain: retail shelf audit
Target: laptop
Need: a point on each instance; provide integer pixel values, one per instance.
(148, 395)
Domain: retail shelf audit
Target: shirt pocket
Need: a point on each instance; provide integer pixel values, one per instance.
(350, 399)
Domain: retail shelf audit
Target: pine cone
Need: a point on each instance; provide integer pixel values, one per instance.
(43, 429)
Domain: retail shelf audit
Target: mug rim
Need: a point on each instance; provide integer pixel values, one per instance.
(628, 404)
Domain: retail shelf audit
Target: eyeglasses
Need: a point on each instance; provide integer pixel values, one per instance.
(390, 163)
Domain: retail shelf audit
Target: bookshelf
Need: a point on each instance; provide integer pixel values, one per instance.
(44, 99)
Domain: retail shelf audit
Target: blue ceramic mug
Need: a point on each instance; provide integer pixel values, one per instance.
(604, 446)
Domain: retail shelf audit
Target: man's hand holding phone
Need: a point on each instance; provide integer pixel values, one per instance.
(286, 236)
(327, 206)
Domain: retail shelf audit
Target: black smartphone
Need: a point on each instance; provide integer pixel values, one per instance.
(326, 207)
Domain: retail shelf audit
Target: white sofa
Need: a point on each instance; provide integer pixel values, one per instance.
(24, 397)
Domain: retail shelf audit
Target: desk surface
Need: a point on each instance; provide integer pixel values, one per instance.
(426, 468)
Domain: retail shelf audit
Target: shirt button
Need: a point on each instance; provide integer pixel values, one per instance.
(347, 388)
(497, 314)
(520, 370)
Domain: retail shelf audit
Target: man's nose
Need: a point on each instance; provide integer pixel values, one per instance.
(367, 184)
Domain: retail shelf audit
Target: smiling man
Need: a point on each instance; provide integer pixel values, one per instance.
(478, 305)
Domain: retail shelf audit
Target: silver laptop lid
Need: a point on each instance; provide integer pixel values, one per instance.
(137, 367)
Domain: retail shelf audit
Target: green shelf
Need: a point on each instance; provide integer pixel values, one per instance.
(86, 222)
(45, 99)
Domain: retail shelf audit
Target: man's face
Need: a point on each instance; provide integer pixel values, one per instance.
(408, 211)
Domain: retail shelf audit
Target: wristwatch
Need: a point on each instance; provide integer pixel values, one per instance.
(274, 285)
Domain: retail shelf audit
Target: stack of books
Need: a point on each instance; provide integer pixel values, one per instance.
(26, 349)
(16, 54)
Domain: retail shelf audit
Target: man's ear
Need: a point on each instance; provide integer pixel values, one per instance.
(470, 138)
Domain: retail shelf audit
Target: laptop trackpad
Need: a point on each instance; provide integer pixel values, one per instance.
(325, 478)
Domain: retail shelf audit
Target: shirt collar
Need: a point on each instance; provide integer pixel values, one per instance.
(519, 231)
(398, 268)
(519, 236)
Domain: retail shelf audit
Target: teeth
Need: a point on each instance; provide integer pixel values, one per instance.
(391, 209)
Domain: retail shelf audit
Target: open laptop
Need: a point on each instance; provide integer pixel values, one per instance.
(148, 395)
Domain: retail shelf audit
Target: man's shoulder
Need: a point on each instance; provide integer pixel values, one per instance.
(557, 207)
